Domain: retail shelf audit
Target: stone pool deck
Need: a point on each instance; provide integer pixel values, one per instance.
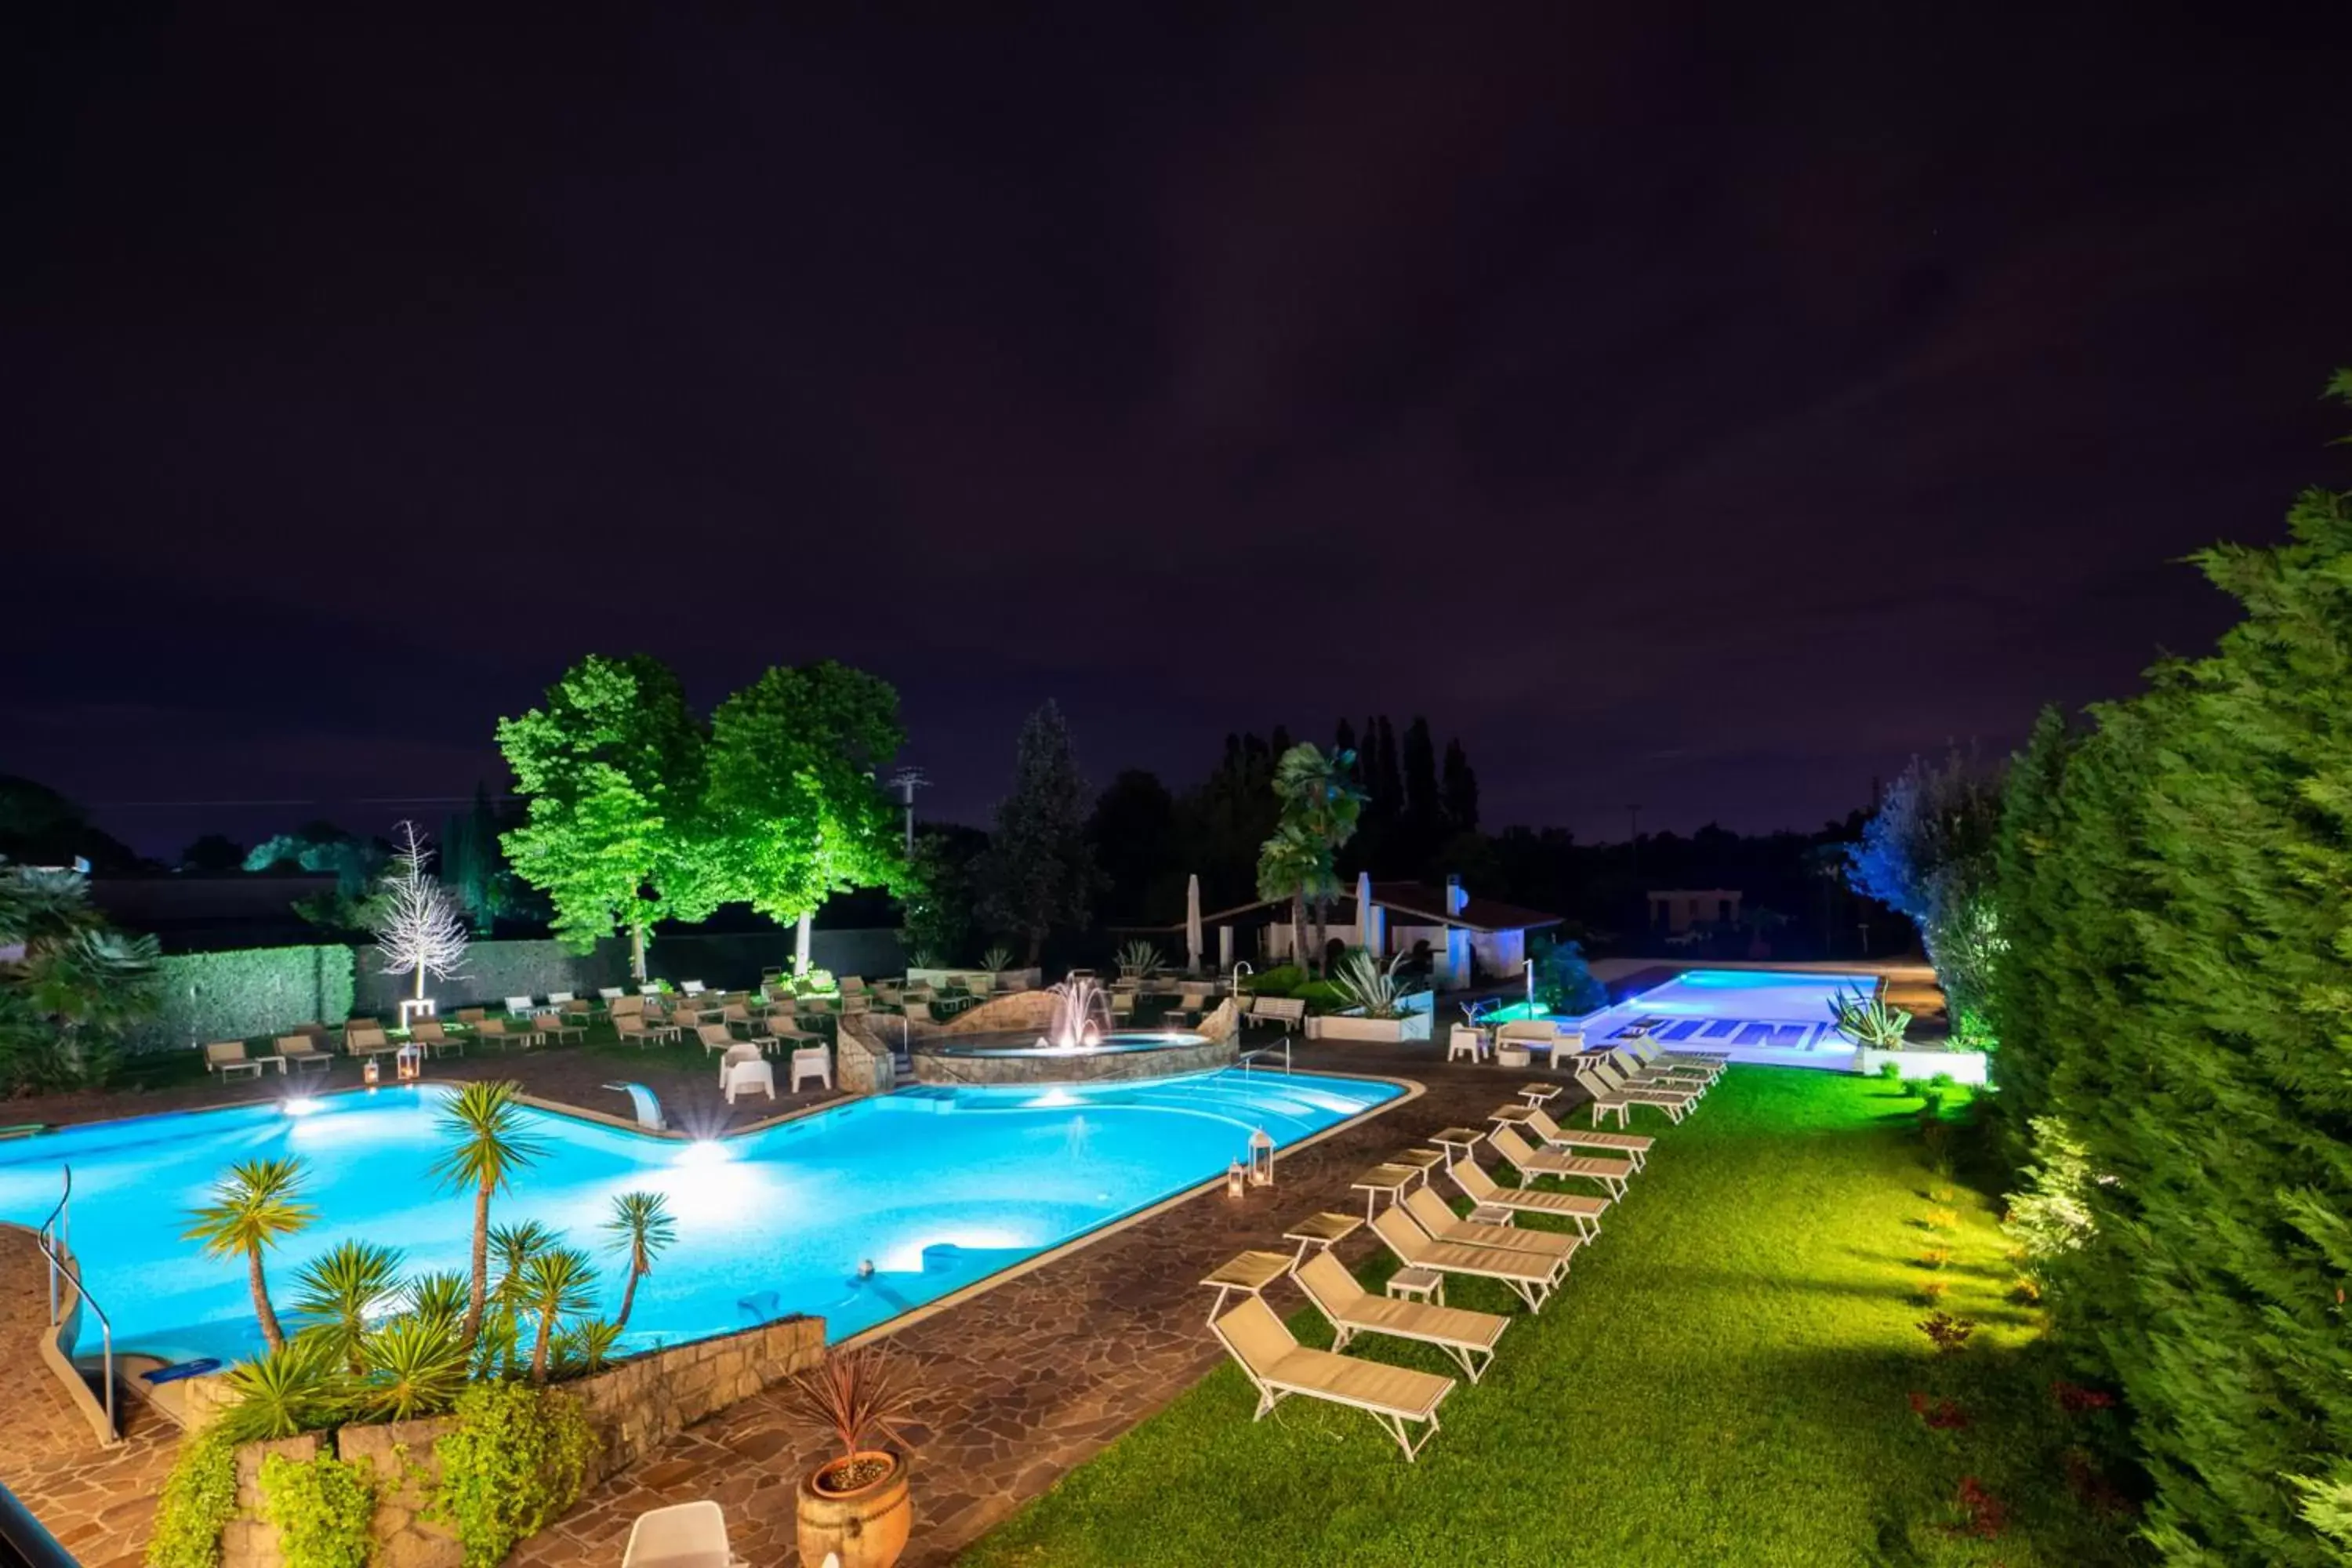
(1019, 1384)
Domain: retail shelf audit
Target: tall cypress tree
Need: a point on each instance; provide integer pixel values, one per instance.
(1038, 874)
(1388, 778)
(1459, 790)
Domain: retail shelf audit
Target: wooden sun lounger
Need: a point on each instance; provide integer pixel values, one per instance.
(1531, 1278)
(1532, 1161)
(1279, 1366)
(1482, 1189)
(1633, 1147)
(1468, 1337)
(1430, 1212)
(1630, 1068)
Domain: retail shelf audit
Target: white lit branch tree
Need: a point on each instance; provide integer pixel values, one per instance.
(418, 927)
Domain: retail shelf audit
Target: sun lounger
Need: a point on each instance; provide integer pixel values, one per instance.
(1582, 1208)
(555, 1025)
(1279, 1366)
(1430, 1212)
(715, 1037)
(1532, 1161)
(228, 1059)
(428, 1034)
(504, 1032)
(364, 1037)
(1531, 1278)
(1632, 1147)
(302, 1051)
(1637, 1075)
(1612, 1096)
(1468, 1337)
(1649, 1055)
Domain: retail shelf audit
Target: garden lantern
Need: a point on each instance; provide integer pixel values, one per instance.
(1261, 1159)
(412, 1063)
(1234, 1180)
(368, 1074)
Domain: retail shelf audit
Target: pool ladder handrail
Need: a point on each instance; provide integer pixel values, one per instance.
(1249, 1058)
(55, 1238)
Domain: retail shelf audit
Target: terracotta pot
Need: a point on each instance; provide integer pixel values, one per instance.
(867, 1527)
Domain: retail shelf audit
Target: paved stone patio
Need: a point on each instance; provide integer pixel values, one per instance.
(1019, 1384)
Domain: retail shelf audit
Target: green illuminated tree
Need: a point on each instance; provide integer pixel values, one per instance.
(1037, 875)
(613, 766)
(794, 799)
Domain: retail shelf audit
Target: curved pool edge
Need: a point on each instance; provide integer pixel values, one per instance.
(1410, 1091)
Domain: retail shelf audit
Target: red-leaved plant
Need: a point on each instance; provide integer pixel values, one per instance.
(2074, 1399)
(1943, 1415)
(1950, 1334)
(854, 1395)
(1981, 1513)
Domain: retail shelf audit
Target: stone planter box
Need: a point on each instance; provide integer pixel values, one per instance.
(1348, 1026)
(631, 1407)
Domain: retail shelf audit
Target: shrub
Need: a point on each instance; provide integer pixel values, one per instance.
(1281, 980)
(1892, 1073)
(239, 994)
(199, 1499)
(1948, 1334)
(323, 1508)
(1564, 981)
(514, 1462)
(1321, 996)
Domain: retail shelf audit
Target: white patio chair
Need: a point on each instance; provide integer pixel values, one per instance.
(812, 1061)
(1465, 1042)
(684, 1535)
(743, 1077)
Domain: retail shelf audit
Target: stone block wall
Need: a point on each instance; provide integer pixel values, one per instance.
(631, 1408)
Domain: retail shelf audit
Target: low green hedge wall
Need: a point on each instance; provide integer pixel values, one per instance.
(244, 993)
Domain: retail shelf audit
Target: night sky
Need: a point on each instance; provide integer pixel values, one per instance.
(1705, 408)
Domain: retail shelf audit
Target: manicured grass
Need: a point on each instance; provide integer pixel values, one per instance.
(1726, 1379)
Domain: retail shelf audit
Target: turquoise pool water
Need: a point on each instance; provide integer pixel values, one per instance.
(936, 1186)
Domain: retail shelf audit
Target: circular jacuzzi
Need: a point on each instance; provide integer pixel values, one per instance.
(1023, 1058)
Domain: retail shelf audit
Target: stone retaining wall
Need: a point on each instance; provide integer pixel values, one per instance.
(631, 1408)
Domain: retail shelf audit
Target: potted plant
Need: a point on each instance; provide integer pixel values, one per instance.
(855, 1504)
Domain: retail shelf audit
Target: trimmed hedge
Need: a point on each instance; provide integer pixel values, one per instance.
(244, 993)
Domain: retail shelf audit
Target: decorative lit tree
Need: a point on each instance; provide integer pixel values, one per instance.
(792, 796)
(417, 926)
(1038, 875)
(613, 768)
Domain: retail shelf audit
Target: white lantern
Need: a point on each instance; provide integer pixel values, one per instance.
(1233, 1175)
(1261, 1159)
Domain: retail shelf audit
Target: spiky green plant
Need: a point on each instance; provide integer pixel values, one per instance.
(297, 1387)
(1139, 960)
(441, 1294)
(586, 1347)
(488, 1148)
(557, 1283)
(643, 1228)
(1869, 1021)
(340, 1288)
(998, 957)
(512, 1246)
(416, 1367)
(1379, 992)
(257, 1205)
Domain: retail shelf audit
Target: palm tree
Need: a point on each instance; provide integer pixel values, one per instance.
(1321, 803)
(558, 1283)
(641, 1227)
(339, 1290)
(1286, 867)
(416, 1367)
(257, 1205)
(490, 1148)
(514, 1246)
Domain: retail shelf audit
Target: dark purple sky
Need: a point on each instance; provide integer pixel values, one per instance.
(1705, 408)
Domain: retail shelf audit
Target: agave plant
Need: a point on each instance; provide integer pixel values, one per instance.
(1869, 1021)
(257, 1205)
(558, 1283)
(1139, 960)
(338, 1292)
(641, 1227)
(1378, 992)
(297, 1387)
(923, 958)
(416, 1365)
(998, 958)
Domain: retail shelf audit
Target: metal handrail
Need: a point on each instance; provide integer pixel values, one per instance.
(1249, 1058)
(55, 1240)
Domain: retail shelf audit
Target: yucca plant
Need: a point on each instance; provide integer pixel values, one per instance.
(416, 1365)
(1869, 1021)
(1139, 960)
(340, 1289)
(297, 1387)
(643, 1228)
(257, 1205)
(558, 1283)
(439, 1295)
(586, 1347)
(512, 1246)
(997, 958)
(1378, 991)
(485, 1124)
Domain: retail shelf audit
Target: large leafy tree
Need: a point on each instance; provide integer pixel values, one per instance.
(1038, 874)
(70, 984)
(613, 765)
(1929, 853)
(794, 800)
(2178, 880)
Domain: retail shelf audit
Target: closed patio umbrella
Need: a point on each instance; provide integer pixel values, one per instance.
(1364, 913)
(1192, 925)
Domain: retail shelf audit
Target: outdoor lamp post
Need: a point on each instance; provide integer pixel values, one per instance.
(1261, 1158)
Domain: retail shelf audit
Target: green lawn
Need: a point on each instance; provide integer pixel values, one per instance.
(1726, 1379)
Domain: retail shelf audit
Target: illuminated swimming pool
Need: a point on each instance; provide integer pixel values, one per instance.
(1755, 1015)
(936, 1187)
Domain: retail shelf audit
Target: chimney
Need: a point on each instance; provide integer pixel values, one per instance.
(1454, 897)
